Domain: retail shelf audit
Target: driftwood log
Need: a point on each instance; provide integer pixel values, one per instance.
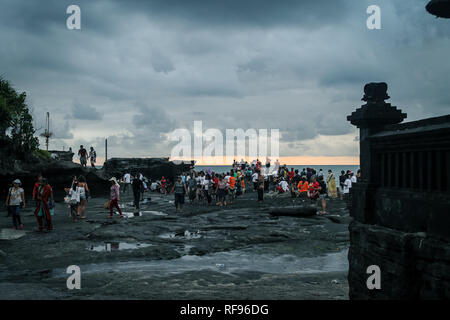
(298, 211)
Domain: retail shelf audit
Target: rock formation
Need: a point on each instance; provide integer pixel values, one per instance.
(153, 168)
(59, 172)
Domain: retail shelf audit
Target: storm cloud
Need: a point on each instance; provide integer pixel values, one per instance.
(139, 69)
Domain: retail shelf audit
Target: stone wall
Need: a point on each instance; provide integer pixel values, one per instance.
(401, 205)
(413, 265)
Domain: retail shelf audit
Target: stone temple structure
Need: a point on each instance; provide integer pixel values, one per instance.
(401, 205)
(439, 8)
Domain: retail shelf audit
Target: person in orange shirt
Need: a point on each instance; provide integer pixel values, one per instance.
(303, 188)
(243, 185)
(232, 187)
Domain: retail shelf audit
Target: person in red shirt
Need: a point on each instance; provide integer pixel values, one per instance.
(258, 165)
(36, 186)
(215, 180)
(163, 185)
(313, 189)
(291, 174)
(44, 204)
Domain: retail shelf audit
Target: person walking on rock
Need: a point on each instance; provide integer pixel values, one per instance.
(82, 153)
(331, 182)
(342, 179)
(137, 186)
(92, 157)
(322, 195)
(114, 198)
(126, 182)
(36, 186)
(180, 191)
(260, 187)
(84, 190)
(74, 201)
(15, 200)
(44, 205)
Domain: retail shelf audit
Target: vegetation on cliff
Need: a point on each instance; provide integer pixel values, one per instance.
(17, 134)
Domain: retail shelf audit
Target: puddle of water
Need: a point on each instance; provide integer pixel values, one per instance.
(140, 213)
(187, 235)
(226, 262)
(115, 246)
(11, 234)
(184, 250)
(131, 214)
(156, 213)
(131, 204)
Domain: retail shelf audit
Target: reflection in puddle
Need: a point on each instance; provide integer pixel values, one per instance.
(131, 214)
(185, 249)
(113, 246)
(186, 235)
(156, 213)
(140, 213)
(131, 204)
(227, 262)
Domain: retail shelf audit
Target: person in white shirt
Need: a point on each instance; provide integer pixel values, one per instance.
(126, 181)
(255, 180)
(200, 180)
(347, 187)
(14, 201)
(284, 186)
(74, 200)
(353, 178)
(206, 186)
(320, 173)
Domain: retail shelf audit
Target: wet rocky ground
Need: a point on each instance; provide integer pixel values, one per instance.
(208, 252)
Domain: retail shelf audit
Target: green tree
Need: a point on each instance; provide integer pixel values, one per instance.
(16, 122)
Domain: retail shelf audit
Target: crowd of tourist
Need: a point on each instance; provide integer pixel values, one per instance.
(200, 186)
(208, 187)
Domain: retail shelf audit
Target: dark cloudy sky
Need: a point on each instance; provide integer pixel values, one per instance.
(137, 70)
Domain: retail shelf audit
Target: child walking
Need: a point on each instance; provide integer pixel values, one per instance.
(74, 201)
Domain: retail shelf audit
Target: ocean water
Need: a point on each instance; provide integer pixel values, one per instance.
(336, 169)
